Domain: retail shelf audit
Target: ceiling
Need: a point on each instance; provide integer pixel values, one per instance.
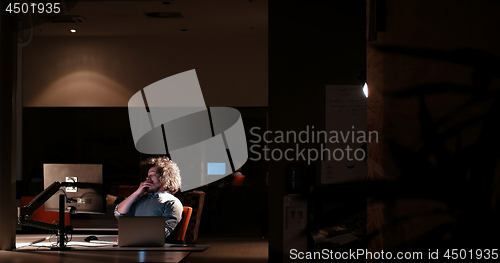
(128, 18)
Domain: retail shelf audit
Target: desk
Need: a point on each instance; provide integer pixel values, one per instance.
(89, 256)
(40, 252)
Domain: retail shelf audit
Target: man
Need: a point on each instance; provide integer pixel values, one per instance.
(162, 182)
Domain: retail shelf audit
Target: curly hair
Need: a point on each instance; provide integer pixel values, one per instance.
(170, 177)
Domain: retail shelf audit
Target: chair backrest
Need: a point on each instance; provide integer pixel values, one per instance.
(180, 230)
(194, 199)
(126, 190)
(44, 216)
(238, 179)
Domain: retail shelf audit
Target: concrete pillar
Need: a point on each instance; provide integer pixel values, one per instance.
(8, 51)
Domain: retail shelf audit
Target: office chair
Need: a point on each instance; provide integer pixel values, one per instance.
(179, 233)
(194, 199)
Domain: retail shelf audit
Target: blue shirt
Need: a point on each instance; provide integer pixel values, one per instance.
(159, 204)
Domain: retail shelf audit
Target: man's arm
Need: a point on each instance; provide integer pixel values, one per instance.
(172, 216)
(125, 205)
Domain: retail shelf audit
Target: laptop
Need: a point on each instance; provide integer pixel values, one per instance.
(141, 231)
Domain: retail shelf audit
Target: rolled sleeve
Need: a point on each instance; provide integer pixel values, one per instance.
(118, 214)
(130, 212)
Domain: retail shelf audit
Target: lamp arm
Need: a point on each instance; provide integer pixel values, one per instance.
(40, 199)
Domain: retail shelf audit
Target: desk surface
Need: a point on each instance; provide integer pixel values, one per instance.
(91, 256)
(93, 252)
(104, 243)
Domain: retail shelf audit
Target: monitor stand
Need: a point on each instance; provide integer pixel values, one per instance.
(62, 226)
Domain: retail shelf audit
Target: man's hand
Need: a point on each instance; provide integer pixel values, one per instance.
(143, 187)
(124, 206)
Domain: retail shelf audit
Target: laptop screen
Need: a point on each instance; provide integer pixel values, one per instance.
(141, 231)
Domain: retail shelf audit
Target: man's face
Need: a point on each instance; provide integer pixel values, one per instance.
(153, 178)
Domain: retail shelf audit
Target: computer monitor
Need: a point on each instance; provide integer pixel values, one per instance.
(216, 168)
(86, 197)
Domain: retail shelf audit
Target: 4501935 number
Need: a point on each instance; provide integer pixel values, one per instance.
(471, 254)
(40, 8)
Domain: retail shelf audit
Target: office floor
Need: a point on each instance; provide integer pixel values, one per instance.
(231, 249)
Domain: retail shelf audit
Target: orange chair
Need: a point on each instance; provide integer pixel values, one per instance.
(195, 200)
(179, 233)
(238, 179)
(45, 216)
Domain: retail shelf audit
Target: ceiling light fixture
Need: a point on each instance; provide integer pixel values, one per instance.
(72, 30)
(365, 89)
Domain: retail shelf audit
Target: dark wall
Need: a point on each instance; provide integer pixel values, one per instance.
(78, 135)
(435, 101)
(312, 44)
(102, 135)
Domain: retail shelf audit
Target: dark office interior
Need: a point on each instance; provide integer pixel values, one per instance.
(431, 180)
